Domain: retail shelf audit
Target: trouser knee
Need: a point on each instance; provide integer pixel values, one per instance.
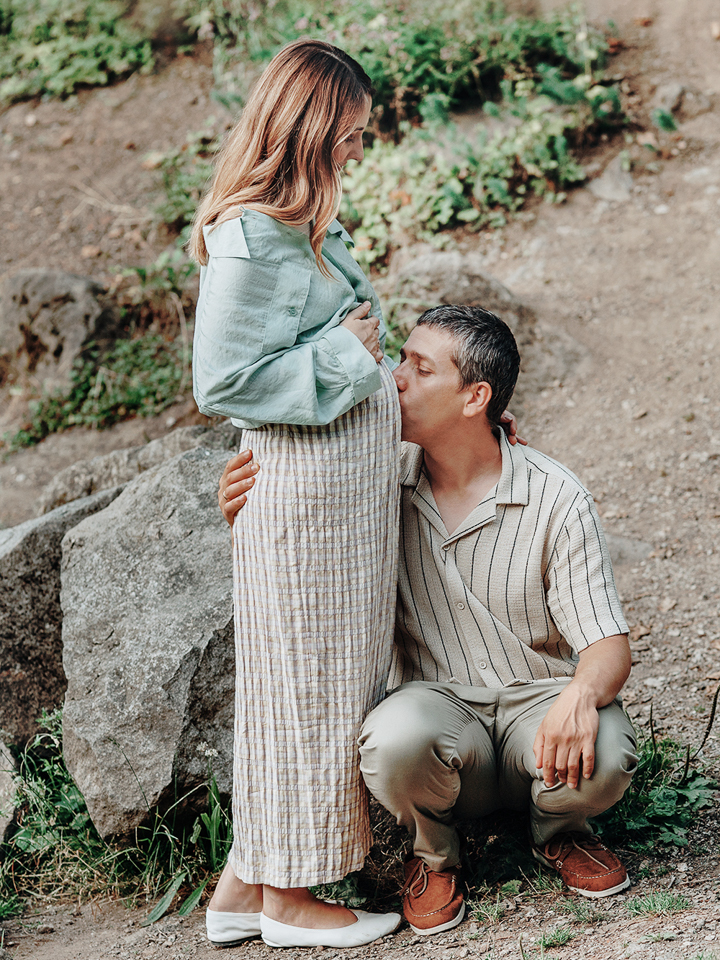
(397, 740)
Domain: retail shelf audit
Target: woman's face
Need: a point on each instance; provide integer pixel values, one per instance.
(351, 148)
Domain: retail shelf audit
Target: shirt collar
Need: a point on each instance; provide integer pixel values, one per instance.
(336, 227)
(512, 487)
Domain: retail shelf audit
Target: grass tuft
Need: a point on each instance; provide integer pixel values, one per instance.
(658, 903)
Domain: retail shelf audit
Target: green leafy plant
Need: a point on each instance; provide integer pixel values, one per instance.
(664, 795)
(185, 171)
(55, 46)
(433, 181)
(413, 51)
(660, 902)
(56, 852)
(135, 377)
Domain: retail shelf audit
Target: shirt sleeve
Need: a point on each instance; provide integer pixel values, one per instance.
(581, 592)
(258, 371)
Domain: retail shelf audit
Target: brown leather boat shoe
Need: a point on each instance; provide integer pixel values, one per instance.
(585, 865)
(432, 901)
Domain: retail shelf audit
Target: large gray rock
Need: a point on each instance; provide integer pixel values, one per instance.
(148, 643)
(46, 317)
(120, 466)
(7, 791)
(31, 677)
(421, 277)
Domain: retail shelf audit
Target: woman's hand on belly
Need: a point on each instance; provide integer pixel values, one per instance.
(237, 478)
(366, 329)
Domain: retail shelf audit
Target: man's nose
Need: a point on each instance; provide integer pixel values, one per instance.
(399, 379)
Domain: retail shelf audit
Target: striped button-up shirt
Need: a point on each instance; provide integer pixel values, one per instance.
(516, 591)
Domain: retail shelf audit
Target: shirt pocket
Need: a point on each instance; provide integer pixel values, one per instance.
(288, 302)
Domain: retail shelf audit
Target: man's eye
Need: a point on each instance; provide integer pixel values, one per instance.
(424, 373)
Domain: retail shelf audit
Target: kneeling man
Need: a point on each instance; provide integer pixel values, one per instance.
(510, 643)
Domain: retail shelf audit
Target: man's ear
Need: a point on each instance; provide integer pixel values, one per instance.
(479, 396)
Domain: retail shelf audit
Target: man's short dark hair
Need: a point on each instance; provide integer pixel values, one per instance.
(485, 349)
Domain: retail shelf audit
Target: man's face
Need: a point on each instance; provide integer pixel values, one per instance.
(428, 383)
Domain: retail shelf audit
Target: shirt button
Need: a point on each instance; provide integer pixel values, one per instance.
(292, 311)
(461, 606)
(482, 665)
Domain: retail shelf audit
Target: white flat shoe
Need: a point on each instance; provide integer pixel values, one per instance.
(229, 929)
(369, 927)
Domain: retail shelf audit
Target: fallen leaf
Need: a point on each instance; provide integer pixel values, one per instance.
(667, 604)
(640, 414)
(614, 44)
(715, 29)
(639, 630)
(643, 21)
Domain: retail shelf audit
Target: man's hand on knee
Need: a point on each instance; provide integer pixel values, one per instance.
(565, 743)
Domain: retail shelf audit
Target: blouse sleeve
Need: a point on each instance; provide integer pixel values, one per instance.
(247, 361)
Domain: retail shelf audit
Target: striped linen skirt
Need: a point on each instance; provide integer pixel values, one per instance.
(315, 558)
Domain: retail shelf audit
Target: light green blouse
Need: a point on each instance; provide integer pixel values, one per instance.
(268, 347)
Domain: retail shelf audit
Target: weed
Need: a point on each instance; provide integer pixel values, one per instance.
(664, 794)
(56, 852)
(544, 882)
(421, 59)
(555, 938)
(659, 936)
(434, 180)
(55, 46)
(140, 376)
(10, 907)
(660, 902)
(582, 911)
(481, 911)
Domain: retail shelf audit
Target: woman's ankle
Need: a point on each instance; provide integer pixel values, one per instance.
(231, 895)
(298, 907)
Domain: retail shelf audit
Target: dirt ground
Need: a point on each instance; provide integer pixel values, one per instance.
(635, 284)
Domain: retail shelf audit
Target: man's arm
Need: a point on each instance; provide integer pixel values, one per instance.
(565, 743)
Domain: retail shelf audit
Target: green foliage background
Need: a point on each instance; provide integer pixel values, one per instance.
(55, 46)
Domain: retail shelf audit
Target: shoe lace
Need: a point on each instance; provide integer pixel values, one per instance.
(421, 878)
(568, 842)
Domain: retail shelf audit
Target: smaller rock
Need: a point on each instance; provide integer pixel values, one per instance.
(89, 251)
(615, 184)
(46, 928)
(668, 97)
(715, 29)
(694, 102)
(30, 119)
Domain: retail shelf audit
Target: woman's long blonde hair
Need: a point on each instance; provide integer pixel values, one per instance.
(278, 158)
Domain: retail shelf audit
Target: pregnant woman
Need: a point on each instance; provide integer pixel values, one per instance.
(289, 343)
